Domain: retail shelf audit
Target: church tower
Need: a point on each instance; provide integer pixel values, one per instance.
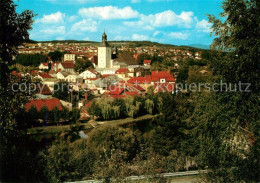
(104, 53)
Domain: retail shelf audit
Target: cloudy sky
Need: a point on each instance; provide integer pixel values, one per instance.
(178, 22)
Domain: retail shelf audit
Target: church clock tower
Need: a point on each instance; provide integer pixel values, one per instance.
(104, 53)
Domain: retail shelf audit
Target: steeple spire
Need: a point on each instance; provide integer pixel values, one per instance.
(104, 37)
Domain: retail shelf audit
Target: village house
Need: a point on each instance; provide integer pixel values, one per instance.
(40, 103)
(74, 78)
(62, 75)
(122, 73)
(161, 77)
(44, 66)
(147, 62)
(66, 66)
(50, 82)
(42, 76)
(143, 82)
(89, 74)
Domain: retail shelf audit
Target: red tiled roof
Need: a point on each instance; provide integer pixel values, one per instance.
(15, 73)
(34, 72)
(67, 64)
(140, 80)
(116, 89)
(40, 103)
(45, 75)
(132, 93)
(147, 61)
(138, 87)
(121, 71)
(92, 79)
(118, 96)
(106, 75)
(157, 75)
(43, 89)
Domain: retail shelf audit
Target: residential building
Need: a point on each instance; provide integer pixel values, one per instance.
(66, 66)
(69, 57)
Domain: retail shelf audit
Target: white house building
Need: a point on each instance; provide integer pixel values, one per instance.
(69, 57)
(74, 78)
(44, 66)
(62, 75)
(88, 74)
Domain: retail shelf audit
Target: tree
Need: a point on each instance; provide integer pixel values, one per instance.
(31, 59)
(226, 124)
(82, 65)
(75, 113)
(61, 90)
(13, 32)
(33, 113)
(55, 56)
(143, 57)
(44, 114)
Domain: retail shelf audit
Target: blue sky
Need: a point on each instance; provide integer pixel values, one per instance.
(178, 22)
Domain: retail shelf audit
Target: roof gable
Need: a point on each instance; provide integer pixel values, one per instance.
(40, 103)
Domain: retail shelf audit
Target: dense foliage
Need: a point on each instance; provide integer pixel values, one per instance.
(62, 91)
(120, 108)
(56, 56)
(31, 59)
(81, 65)
(36, 118)
(13, 154)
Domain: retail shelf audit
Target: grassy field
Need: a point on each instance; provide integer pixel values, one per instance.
(128, 120)
(54, 129)
(88, 126)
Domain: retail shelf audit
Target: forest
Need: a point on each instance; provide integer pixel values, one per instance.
(31, 59)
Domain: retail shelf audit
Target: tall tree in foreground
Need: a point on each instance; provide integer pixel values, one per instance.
(226, 125)
(14, 158)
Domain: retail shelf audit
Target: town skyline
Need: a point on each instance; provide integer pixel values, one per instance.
(174, 22)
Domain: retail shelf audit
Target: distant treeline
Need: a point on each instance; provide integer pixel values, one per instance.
(131, 44)
(31, 59)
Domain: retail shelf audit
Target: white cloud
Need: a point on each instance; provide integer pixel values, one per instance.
(156, 33)
(163, 19)
(108, 13)
(53, 18)
(135, 1)
(179, 35)
(203, 26)
(54, 30)
(72, 18)
(139, 37)
(85, 25)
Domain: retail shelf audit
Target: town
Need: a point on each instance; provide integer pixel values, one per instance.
(111, 72)
(129, 91)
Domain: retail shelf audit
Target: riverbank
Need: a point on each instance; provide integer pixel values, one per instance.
(88, 126)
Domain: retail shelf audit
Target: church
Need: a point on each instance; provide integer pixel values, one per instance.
(104, 54)
(108, 63)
